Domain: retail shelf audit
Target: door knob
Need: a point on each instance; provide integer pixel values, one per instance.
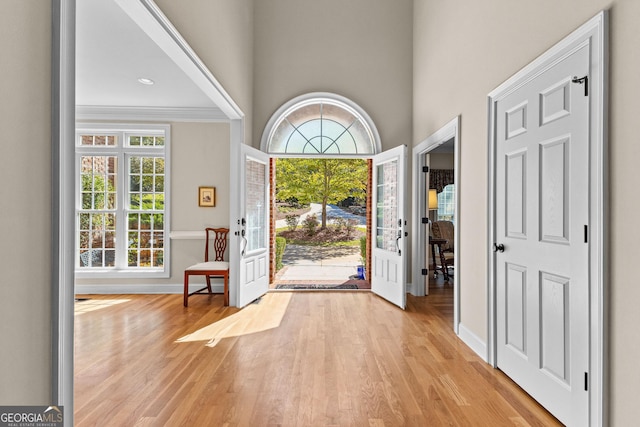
(498, 247)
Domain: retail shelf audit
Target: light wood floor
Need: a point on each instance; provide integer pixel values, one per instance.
(292, 359)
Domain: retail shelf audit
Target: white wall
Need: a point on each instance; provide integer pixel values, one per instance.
(25, 176)
(199, 157)
(360, 49)
(221, 33)
(462, 51)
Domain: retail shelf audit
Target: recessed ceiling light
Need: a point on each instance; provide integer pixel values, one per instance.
(146, 81)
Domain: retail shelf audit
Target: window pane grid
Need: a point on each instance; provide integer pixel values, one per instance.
(321, 127)
(146, 183)
(145, 244)
(98, 182)
(387, 206)
(97, 239)
(98, 140)
(146, 141)
(255, 205)
(121, 214)
(446, 203)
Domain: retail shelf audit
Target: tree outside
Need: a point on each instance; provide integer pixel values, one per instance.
(324, 181)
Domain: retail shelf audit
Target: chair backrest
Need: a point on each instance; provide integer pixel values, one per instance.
(219, 243)
(443, 230)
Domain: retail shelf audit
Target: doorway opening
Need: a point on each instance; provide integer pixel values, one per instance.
(321, 145)
(319, 223)
(436, 216)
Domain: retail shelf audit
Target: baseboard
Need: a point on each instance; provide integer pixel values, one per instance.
(410, 289)
(217, 288)
(474, 342)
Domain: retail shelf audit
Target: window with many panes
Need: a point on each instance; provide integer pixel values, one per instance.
(321, 124)
(122, 200)
(447, 203)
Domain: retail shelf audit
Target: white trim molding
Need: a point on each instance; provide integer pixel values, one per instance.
(154, 114)
(594, 34)
(217, 287)
(311, 98)
(187, 235)
(62, 203)
(473, 341)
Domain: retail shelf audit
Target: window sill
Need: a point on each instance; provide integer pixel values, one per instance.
(99, 273)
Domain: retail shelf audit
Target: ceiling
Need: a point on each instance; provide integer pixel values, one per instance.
(445, 147)
(113, 51)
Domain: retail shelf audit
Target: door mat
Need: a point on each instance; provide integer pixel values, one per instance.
(317, 286)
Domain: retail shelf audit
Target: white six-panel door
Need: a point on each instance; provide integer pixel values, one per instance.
(541, 250)
(388, 241)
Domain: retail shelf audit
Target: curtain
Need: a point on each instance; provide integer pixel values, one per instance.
(440, 178)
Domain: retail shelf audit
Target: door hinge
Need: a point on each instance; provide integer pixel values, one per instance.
(425, 169)
(425, 220)
(586, 233)
(586, 381)
(585, 81)
(425, 272)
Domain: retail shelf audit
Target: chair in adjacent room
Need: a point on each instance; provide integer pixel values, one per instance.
(442, 243)
(216, 268)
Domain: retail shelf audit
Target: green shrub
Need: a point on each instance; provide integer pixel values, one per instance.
(292, 221)
(363, 248)
(281, 243)
(310, 223)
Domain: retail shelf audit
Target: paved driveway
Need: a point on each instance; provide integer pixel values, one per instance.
(332, 211)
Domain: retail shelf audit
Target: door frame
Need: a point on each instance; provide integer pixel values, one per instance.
(419, 242)
(595, 33)
(63, 104)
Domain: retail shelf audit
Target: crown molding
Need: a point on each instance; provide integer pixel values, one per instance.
(164, 114)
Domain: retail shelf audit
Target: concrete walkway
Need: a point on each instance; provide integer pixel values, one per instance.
(319, 263)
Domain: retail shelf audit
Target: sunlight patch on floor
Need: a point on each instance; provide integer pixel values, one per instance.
(85, 306)
(256, 317)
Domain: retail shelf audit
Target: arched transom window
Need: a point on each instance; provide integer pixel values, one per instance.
(320, 124)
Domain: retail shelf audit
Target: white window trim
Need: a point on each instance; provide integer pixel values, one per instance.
(311, 98)
(123, 153)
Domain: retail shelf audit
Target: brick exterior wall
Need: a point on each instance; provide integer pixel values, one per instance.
(369, 219)
(272, 220)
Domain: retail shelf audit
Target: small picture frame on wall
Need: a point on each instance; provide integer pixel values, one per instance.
(207, 196)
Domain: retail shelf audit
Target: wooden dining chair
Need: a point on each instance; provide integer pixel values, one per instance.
(442, 242)
(216, 268)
